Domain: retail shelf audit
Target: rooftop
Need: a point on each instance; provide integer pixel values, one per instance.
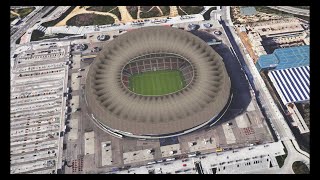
(292, 84)
(248, 11)
(285, 58)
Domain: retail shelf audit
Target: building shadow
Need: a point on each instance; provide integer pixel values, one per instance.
(239, 85)
(202, 34)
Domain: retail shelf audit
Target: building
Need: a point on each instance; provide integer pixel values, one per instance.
(276, 27)
(266, 36)
(119, 110)
(285, 58)
(248, 11)
(293, 87)
(292, 84)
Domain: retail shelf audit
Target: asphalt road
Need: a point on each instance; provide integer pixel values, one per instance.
(292, 10)
(29, 23)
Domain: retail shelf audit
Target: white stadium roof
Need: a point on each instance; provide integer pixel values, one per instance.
(292, 84)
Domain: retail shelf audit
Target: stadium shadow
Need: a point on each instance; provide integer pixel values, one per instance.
(203, 35)
(239, 84)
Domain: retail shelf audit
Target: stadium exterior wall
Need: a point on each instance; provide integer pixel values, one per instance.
(115, 107)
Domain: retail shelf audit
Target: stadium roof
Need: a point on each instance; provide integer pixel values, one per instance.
(293, 84)
(118, 108)
(248, 11)
(284, 58)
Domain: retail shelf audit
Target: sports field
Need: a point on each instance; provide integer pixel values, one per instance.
(156, 82)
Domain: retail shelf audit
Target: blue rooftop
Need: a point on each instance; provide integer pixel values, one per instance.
(292, 84)
(248, 11)
(285, 58)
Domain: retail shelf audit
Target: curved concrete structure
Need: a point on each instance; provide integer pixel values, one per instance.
(122, 111)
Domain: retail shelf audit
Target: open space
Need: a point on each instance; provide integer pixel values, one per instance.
(187, 10)
(89, 19)
(21, 12)
(156, 82)
(109, 9)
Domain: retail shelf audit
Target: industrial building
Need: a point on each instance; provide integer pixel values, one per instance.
(292, 84)
(285, 58)
(289, 72)
(265, 37)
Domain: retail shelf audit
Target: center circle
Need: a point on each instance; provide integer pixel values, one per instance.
(157, 74)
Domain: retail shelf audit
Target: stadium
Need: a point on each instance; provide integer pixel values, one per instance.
(156, 82)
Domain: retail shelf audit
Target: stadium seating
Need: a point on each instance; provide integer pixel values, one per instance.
(151, 62)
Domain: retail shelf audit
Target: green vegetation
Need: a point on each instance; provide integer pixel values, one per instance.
(133, 10)
(190, 10)
(12, 17)
(153, 13)
(18, 40)
(39, 35)
(280, 159)
(181, 13)
(156, 82)
(232, 15)
(89, 19)
(101, 8)
(56, 21)
(111, 9)
(36, 35)
(206, 15)
(22, 12)
(299, 167)
(165, 10)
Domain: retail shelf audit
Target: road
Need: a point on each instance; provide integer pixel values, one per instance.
(226, 159)
(267, 104)
(29, 23)
(223, 13)
(292, 10)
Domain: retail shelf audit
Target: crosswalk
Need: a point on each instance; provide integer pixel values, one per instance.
(41, 28)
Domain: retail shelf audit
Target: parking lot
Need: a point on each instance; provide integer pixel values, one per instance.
(37, 109)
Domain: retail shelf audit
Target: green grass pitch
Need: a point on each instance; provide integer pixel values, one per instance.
(156, 82)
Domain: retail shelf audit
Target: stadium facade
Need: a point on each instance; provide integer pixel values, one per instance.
(122, 112)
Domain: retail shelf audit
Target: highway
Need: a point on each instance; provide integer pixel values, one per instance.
(278, 123)
(292, 10)
(29, 23)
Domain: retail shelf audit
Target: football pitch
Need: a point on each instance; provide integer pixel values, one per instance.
(156, 82)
